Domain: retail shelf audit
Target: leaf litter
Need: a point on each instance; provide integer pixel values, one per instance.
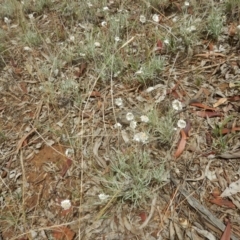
(66, 93)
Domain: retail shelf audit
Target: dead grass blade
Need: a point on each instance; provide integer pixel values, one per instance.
(21, 141)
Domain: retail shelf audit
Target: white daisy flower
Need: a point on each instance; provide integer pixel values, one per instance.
(186, 3)
(142, 19)
(117, 39)
(27, 49)
(97, 44)
(116, 74)
(118, 125)
(66, 204)
(156, 18)
(175, 19)
(71, 38)
(104, 24)
(69, 152)
(166, 41)
(129, 116)
(144, 118)
(133, 124)
(7, 20)
(191, 29)
(103, 196)
(140, 71)
(181, 123)
(150, 89)
(105, 8)
(177, 105)
(140, 137)
(119, 102)
(31, 16)
(89, 4)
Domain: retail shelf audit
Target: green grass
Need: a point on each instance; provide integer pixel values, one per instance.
(215, 23)
(163, 126)
(134, 177)
(221, 141)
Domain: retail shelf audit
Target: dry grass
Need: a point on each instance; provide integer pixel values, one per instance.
(72, 70)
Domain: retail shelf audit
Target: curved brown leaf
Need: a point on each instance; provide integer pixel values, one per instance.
(181, 145)
(234, 98)
(222, 202)
(229, 130)
(227, 232)
(209, 114)
(200, 105)
(66, 166)
(95, 94)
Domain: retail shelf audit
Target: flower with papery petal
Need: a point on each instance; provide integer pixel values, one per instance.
(175, 19)
(139, 72)
(97, 44)
(27, 49)
(118, 125)
(89, 4)
(140, 137)
(71, 38)
(142, 19)
(166, 41)
(181, 123)
(144, 118)
(117, 39)
(133, 124)
(7, 20)
(177, 105)
(105, 8)
(66, 204)
(69, 152)
(191, 29)
(156, 18)
(104, 24)
(103, 196)
(129, 116)
(119, 102)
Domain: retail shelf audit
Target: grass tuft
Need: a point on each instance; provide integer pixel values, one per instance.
(134, 176)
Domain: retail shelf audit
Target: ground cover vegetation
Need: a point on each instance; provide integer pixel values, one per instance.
(119, 119)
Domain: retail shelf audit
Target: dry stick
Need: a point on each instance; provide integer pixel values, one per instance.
(151, 213)
(200, 208)
(23, 194)
(126, 43)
